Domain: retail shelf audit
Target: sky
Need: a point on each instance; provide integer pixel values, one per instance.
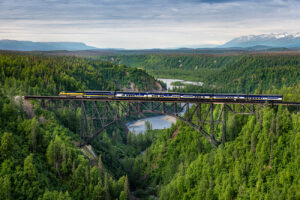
(144, 24)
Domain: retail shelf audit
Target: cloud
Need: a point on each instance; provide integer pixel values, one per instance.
(145, 24)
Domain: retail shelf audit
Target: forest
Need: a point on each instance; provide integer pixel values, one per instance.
(242, 73)
(40, 158)
(260, 160)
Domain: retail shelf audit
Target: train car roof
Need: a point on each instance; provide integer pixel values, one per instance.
(72, 91)
(165, 92)
(161, 92)
(97, 91)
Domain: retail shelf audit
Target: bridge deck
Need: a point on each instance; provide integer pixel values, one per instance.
(172, 100)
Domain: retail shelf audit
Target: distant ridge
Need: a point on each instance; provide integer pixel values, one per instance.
(16, 45)
(284, 40)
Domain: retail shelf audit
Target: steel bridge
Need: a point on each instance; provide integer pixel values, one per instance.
(96, 117)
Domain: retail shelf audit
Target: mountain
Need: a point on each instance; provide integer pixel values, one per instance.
(270, 40)
(42, 46)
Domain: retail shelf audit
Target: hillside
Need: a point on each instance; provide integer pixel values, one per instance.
(38, 157)
(40, 160)
(241, 73)
(50, 75)
(260, 162)
(16, 45)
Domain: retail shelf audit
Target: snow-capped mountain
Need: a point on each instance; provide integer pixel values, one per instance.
(271, 40)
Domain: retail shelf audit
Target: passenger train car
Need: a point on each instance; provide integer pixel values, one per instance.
(175, 95)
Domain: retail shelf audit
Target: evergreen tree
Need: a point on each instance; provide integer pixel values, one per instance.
(29, 167)
(126, 188)
(100, 165)
(5, 187)
(6, 145)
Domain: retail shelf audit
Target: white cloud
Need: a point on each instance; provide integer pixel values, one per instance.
(144, 24)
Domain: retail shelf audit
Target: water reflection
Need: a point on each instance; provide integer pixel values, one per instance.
(161, 121)
(157, 122)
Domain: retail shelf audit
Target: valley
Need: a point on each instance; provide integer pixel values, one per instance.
(40, 157)
(149, 100)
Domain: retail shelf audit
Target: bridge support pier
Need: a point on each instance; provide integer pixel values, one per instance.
(224, 124)
(200, 119)
(97, 116)
(212, 120)
(82, 128)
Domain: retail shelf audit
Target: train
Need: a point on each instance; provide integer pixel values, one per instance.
(172, 95)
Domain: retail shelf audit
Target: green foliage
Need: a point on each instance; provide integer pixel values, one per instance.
(260, 162)
(241, 73)
(38, 157)
(55, 195)
(126, 189)
(6, 145)
(54, 168)
(29, 167)
(5, 187)
(148, 126)
(123, 196)
(40, 161)
(49, 75)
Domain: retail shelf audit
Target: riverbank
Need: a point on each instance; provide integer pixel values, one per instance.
(157, 122)
(169, 82)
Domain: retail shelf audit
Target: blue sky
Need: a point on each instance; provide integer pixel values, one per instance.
(138, 24)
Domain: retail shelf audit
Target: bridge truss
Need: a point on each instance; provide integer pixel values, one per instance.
(205, 117)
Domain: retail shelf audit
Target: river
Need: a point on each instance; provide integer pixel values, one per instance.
(161, 121)
(157, 122)
(170, 81)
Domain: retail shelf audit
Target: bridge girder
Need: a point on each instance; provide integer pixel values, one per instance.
(109, 113)
(111, 110)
